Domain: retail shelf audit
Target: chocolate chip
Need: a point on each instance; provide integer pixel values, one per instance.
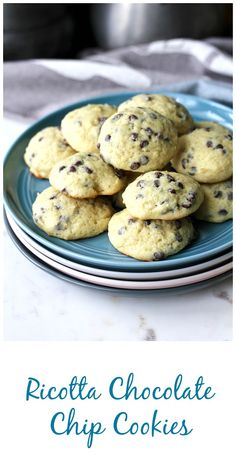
(158, 255)
(209, 144)
(189, 156)
(180, 115)
(52, 198)
(63, 190)
(158, 135)
(148, 98)
(171, 190)
(170, 178)
(149, 131)
(230, 196)
(178, 224)
(217, 194)
(139, 195)
(117, 116)
(134, 136)
(166, 139)
(134, 165)
(224, 151)
(156, 183)
(192, 171)
(158, 174)
(58, 207)
(144, 160)
(207, 129)
(188, 204)
(191, 196)
(131, 221)
(180, 185)
(223, 212)
(133, 117)
(102, 119)
(61, 168)
(72, 169)
(108, 137)
(119, 173)
(153, 116)
(147, 222)
(98, 145)
(88, 170)
(33, 155)
(141, 183)
(229, 137)
(178, 237)
(59, 227)
(219, 146)
(41, 138)
(184, 162)
(122, 230)
(144, 144)
(78, 163)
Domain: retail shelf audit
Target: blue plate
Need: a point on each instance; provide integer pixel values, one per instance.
(21, 188)
(124, 292)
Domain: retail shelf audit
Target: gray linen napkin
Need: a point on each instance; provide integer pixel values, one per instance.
(204, 68)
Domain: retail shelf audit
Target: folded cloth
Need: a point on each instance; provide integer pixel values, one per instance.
(204, 68)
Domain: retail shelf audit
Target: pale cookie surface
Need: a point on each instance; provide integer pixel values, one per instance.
(86, 175)
(217, 206)
(81, 126)
(166, 106)
(138, 139)
(70, 218)
(149, 240)
(162, 194)
(205, 154)
(45, 149)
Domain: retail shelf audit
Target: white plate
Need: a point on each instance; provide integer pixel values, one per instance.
(154, 275)
(128, 284)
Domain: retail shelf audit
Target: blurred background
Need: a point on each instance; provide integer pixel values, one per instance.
(74, 30)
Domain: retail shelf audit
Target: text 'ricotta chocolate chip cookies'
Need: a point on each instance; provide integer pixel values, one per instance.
(69, 218)
(138, 139)
(162, 194)
(166, 106)
(205, 154)
(81, 126)
(149, 240)
(86, 175)
(45, 149)
(217, 205)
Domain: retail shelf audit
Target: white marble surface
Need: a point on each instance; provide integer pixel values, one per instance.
(41, 307)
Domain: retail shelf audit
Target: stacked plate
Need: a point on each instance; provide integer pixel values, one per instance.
(94, 262)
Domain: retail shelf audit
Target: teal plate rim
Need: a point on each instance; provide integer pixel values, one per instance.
(183, 290)
(20, 188)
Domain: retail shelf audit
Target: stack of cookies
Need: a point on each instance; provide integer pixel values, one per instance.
(149, 158)
(206, 155)
(74, 206)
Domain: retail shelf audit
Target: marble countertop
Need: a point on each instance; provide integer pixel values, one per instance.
(40, 307)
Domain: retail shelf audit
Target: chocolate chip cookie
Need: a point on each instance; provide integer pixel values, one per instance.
(217, 206)
(86, 175)
(149, 240)
(163, 195)
(81, 126)
(69, 218)
(138, 140)
(45, 149)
